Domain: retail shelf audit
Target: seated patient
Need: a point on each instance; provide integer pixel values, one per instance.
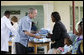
(76, 43)
(62, 50)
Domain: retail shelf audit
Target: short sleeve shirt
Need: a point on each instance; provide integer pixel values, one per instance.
(24, 24)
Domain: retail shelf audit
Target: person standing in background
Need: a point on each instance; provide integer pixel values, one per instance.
(14, 21)
(33, 28)
(6, 27)
(24, 31)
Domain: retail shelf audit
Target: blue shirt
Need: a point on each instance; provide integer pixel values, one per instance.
(24, 24)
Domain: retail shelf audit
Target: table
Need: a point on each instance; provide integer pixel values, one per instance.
(35, 45)
(40, 44)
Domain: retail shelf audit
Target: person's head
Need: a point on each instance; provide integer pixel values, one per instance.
(32, 12)
(67, 41)
(14, 19)
(80, 28)
(7, 14)
(55, 17)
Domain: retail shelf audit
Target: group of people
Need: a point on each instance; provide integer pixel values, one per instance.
(61, 43)
(22, 33)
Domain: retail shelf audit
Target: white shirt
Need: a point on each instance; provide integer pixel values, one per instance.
(6, 27)
(15, 26)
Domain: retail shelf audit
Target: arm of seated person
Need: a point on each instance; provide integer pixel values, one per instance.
(68, 52)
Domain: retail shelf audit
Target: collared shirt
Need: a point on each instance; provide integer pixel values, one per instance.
(24, 24)
(6, 27)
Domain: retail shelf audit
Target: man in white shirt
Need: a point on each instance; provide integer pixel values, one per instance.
(6, 27)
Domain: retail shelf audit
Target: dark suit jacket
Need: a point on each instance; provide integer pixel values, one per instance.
(59, 33)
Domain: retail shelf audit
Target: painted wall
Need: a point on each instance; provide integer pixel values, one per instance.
(63, 7)
(39, 19)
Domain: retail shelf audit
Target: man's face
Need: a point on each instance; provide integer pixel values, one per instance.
(34, 14)
(8, 16)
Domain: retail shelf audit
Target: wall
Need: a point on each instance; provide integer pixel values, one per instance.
(48, 9)
(6, 3)
(61, 6)
(39, 20)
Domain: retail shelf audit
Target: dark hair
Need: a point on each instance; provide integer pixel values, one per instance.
(69, 40)
(7, 13)
(81, 24)
(56, 16)
(80, 31)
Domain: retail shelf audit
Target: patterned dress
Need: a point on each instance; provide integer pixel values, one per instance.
(76, 44)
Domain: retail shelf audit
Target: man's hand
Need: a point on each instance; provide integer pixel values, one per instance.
(32, 35)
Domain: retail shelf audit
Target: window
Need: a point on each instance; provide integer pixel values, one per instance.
(78, 16)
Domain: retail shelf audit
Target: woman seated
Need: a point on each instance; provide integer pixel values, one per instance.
(78, 39)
